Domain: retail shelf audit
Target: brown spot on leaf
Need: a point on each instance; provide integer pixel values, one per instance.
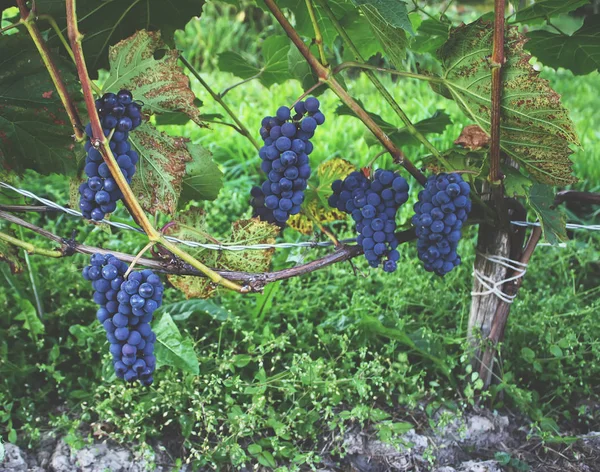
(473, 138)
(48, 94)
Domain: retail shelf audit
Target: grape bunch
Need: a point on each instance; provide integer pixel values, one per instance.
(285, 160)
(373, 206)
(126, 308)
(100, 194)
(440, 213)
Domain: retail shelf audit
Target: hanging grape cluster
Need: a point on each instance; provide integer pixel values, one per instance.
(126, 309)
(373, 205)
(118, 114)
(440, 213)
(285, 160)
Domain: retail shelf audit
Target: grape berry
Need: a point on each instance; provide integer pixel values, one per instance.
(285, 160)
(440, 213)
(100, 194)
(126, 308)
(373, 206)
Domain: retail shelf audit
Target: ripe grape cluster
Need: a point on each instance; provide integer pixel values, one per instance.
(440, 213)
(373, 206)
(100, 194)
(285, 160)
(126, 308)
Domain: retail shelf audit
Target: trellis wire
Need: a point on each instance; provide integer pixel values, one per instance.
(233, 247)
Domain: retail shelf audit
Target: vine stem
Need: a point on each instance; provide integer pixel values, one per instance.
(497, 61)
(219, 99)
(311, 89)
(318, 36)
(401, 73)
(9, 27)
(324, 75)
(30, 248)
(28, 20)
(237, 84)
(137, 258)
(100, 142)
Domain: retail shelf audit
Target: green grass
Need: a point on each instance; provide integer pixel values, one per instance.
(313, 354)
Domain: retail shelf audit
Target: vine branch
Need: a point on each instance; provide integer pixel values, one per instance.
(318, 36)
(101, 143)
(28, 20)
(324, 75)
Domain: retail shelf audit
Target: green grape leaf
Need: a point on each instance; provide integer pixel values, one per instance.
(401, 136)
(272, 70)
(109, 21)
(159, 83)
(29, 317)
(462, 160)
(183, 310)
(515, 183)
(35, 131)
(300, 70)
(580, 53)
(202, 179)
(541, 199)
(390, 23)
(361, 34)
(160, 170)
(316, 196)
(541, 10)
(431, 35)
(10, 255)
(536, 129)
(174, 349)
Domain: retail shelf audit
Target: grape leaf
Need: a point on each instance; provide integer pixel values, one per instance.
(10, 255)
(159, 83)
(580, 53)
(361, 34)
(300, 70)
(541, 10)
(473, 162)
(272, 70)
(536, 129)
(541, 199)
(109, 21)
(35, 131)
(172, 348)
(401, 136)
(389, 21)
(431, 35)
(202, 179)
(190, 225)
(316, 196)
(163, 160)
(515, 183)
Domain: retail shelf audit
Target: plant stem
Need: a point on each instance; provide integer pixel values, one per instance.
(100, 142)
(137, 258)
(401, 73)
(381, 88)
(30, 248)
(36, 295)
(312, 88)
(242, 82)
(324, 230)
(318, 35)
(497, 61)
(217, 98)
(28, 21)
(324, 75)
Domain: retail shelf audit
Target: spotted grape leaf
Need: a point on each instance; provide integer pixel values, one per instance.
(247, 233)
(515, 183)
(461, 160)
(159, 83)
(109, 21)
(190, 226)
(541, 199)
(390, 23)
(10, 255)
(536, 130)
(160, 170)
(174, 349)
(35, 131)
(203, 178)
(542, 10)
(273, 68)
(315, 204)
(580, 52)
(401, 136)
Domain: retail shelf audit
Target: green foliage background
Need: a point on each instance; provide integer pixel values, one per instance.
(312, 354)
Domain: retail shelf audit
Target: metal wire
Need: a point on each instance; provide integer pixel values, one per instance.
(233, 247)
